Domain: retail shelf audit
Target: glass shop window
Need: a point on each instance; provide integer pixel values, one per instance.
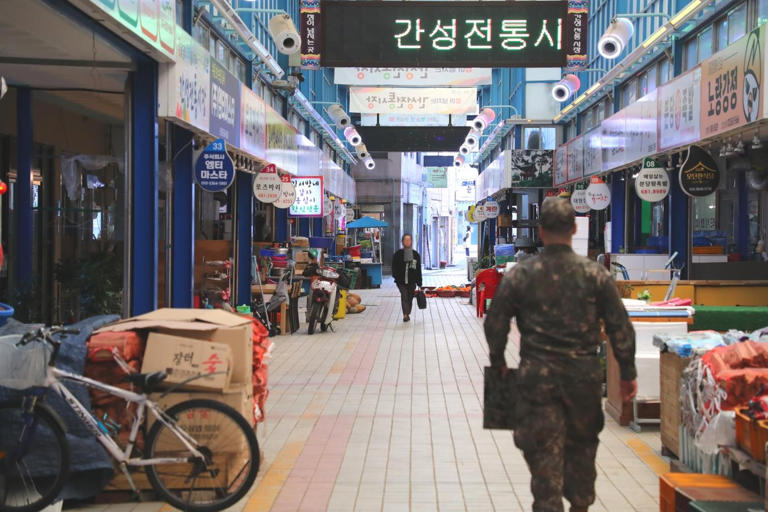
(691, 54)
(705, 44)
(540, 138)
(737, 23)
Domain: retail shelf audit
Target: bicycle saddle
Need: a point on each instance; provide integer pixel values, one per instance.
(146, 381)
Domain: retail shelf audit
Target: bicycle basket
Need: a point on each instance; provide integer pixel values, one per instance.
(22, 367)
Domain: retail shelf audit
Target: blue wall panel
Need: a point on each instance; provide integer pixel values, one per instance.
(183, 233)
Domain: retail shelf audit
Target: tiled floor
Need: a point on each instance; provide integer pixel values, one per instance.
(386, 416)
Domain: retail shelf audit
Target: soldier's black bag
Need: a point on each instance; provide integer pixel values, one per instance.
(500, 399)
(421, 299)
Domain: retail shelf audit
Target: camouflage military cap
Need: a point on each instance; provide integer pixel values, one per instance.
(557, 215)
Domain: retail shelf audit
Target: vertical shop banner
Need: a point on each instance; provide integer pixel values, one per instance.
(437, 177)
(576, 35)
(530, 168)
(309, 197)
(649, 123)
(253, 123)
(579, 199)
(152, 22)
(310, 34)
(680, 111)
(281, 142)
(575, 159)
(613, 141)
(731, 83)
(214, 169)
(225, 104)
(398, 100)
(593, 152)
(184, 89)
(561, 166)
(413, 77)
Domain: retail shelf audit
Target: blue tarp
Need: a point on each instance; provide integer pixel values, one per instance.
(91, 469)
(366, 222)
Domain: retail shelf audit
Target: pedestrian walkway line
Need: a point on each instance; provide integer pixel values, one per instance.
(647, 455)
(266, 492)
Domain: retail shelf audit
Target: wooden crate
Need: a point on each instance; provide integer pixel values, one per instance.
(671, 372)
(677, 490)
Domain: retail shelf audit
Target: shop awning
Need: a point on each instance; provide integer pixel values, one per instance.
(367, 222)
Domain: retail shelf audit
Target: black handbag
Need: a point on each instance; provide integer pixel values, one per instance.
(500, 399)
(421, 299)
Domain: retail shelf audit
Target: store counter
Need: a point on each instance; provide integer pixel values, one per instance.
(702, 293)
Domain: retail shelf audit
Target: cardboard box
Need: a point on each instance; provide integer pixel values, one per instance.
(183, 358)
(207, 429)
(301, 257)
(201, 324)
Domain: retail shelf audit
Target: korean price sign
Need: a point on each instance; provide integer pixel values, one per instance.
(598, 194)
(287, 193)
(579, 201)
(699, 173)
(426, 34)
(652, 182)
(267, 186)
(214, 169)
(731, 85)
(491, 209)
(309, 197)
(561, 165)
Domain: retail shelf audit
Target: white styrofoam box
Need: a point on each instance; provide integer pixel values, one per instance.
(710, 258)
(648, 377)
(581, 247)
(607, 236)
(582, 228)
(644, 332)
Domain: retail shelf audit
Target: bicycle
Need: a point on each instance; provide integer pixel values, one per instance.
(192, 457)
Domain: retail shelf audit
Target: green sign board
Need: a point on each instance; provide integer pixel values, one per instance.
(459, 34)
(437, 177)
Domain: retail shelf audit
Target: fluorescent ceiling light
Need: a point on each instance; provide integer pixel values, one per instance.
(592, 89)
(655, 36)
(579, 99)
(684, 12)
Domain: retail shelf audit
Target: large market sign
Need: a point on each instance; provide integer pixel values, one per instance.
(427, 34)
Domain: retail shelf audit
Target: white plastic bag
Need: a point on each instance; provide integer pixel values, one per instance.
(22, 367)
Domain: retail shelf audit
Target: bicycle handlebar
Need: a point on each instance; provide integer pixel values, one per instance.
(46, 334)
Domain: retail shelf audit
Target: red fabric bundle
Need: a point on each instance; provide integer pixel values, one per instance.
(261, 344)
(740, 369)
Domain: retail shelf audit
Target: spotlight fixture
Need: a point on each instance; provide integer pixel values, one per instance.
(729, 151)
(670, 165)
(615, 38)
(722, 151)
(566, 88)
(739, 149)
(465, 149)
(756, 144)
(458, 160)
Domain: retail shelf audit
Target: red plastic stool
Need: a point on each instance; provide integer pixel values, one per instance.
(486, 283)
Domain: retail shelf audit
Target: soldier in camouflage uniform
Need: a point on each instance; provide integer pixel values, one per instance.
(559, 299)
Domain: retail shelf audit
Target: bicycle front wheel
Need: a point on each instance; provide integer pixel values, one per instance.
(34, 458)
(228, 444)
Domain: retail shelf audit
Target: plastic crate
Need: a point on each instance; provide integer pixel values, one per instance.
(751, 435)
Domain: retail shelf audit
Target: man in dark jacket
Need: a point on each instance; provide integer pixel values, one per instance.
(406, 269)
(559, 300)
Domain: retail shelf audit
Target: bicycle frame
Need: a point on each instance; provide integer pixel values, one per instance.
(143, 403)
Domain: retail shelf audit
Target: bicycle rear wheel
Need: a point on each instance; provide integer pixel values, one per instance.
(231, 456)
(34, 458)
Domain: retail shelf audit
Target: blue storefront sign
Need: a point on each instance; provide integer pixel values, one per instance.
(214, 170)
(225, 104)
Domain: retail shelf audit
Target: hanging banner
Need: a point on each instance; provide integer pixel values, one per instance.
(310, 34)
(641, 134)
(350, 215)
(699, 174)
(575, 159)
(412, 119)
(414, 77)
(652, 182)
(281, 142)
(184, 88)
(561, 166)
(225, 104)
(680, 111)
(214, 169)
(593, 152)
(309, 197)
(598, 194)
(530, 168)
(437, 177)
(479, 213)
(576, 36)
(491, 208)
(253, 123)
(613, 141)
(731, 85)
(287, 193)
(267, 186)
(393, 100)
(579, 201)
